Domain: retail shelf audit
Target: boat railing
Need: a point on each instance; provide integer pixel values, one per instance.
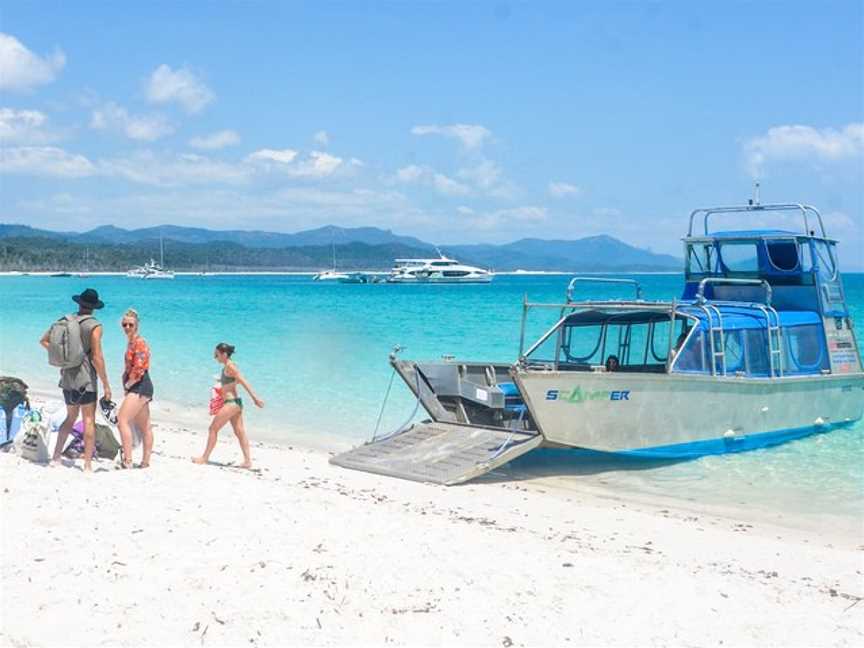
(607, 280)
(700, 293)
(706, 214)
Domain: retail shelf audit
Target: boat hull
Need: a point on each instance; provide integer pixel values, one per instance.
(677, 416)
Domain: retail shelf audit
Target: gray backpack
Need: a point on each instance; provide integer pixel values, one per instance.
(65, 346)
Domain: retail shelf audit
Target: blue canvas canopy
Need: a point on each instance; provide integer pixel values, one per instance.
(736, 318)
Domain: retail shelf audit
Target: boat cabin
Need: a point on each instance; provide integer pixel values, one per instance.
(756, 304)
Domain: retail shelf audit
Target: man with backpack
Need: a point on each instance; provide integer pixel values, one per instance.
(74, 345)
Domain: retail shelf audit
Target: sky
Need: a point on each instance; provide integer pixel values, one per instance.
(453, 122)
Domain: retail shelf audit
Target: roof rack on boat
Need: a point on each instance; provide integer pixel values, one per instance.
(707, 212)
(576, 280)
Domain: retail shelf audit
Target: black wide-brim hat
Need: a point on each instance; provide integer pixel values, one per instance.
(88, 299)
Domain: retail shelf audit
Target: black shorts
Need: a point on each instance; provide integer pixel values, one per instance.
(143, 387)
(75, 397)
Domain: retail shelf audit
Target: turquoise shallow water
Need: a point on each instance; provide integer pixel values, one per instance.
(317, 353)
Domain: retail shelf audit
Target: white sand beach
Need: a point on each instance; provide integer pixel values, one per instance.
(299, 552)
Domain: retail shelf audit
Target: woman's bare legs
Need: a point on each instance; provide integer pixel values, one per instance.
(222, 417)
(240, 432)
(142, 422)
(129, 410)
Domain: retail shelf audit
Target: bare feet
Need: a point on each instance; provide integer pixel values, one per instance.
(246, 464)
(199, 460)
(145, 465)
(87, 467)
(56, 462)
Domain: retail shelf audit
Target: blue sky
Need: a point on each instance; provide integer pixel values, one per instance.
(454, 122)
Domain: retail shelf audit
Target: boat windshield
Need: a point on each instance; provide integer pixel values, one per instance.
(626, 342)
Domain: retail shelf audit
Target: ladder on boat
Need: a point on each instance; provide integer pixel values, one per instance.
(439, 452)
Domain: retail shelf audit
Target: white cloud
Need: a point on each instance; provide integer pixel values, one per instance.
(282, 156)
(138, 127)
(44, 161)
(784, 143)
(518, 216)
(472, 136)
(410, 173)
(146, 167)
(485, 175)
(562, 189)
(321, 138)
(424, 175)
(180, 86)
(214, 141)
(316, 164)
(23, 126)
(448, 186)
(466, 211)
(21, 69)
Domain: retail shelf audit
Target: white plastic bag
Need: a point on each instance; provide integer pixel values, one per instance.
(33, 443)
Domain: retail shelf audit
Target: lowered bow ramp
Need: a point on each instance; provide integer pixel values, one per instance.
(440, 453)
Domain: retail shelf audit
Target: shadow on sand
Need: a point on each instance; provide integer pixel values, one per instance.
(572, 462)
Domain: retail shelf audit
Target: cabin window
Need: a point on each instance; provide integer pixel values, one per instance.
(739, 257)
(783, 254)
(701, 258)
(582, 345)
(804, 348)
(756, 345)
(825, 258)
(691, 358)
(734, 351)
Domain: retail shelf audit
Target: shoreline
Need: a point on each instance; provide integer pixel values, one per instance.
(299, 551)
(178, 419)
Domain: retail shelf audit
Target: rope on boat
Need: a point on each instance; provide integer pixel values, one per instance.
(407, 422)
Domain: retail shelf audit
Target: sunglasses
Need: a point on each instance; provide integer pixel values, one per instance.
(126, 325)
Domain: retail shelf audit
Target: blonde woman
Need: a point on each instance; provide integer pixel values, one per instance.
(232, 406)
(135, 409)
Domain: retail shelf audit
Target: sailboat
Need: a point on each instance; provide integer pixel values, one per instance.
(151, 269)
(334, 274)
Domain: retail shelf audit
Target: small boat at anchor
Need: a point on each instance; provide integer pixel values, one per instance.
(758, 350)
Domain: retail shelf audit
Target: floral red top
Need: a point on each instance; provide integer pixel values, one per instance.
(137, 360)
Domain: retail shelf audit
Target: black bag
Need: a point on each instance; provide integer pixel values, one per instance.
(13, 392)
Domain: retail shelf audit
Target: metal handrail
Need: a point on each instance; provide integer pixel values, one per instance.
(574, 280)
(804, 209)
(700, 294)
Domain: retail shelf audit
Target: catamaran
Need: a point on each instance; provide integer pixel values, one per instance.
(440, 270)
(758, 350)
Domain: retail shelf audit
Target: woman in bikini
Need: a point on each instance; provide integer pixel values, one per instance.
(232, 408)
(135, 409)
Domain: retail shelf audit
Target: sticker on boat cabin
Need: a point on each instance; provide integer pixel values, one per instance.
(576, 395)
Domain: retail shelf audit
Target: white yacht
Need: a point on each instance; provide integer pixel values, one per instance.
(440, 270)
(331, 275)
(151, 269)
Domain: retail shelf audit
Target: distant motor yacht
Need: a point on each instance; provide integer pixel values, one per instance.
(151, 269)
(440, 270)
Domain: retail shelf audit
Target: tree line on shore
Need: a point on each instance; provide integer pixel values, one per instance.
(45, 254)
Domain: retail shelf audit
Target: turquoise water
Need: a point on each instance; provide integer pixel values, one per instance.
(317, 353)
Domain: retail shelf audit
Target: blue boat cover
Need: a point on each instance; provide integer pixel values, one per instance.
(741, 317)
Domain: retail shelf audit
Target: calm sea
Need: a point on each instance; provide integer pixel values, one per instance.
(317, 353)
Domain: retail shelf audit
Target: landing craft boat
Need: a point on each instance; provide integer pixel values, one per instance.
(759, 349)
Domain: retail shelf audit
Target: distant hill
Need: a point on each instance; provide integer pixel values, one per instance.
(191, 248)
(591, 253)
